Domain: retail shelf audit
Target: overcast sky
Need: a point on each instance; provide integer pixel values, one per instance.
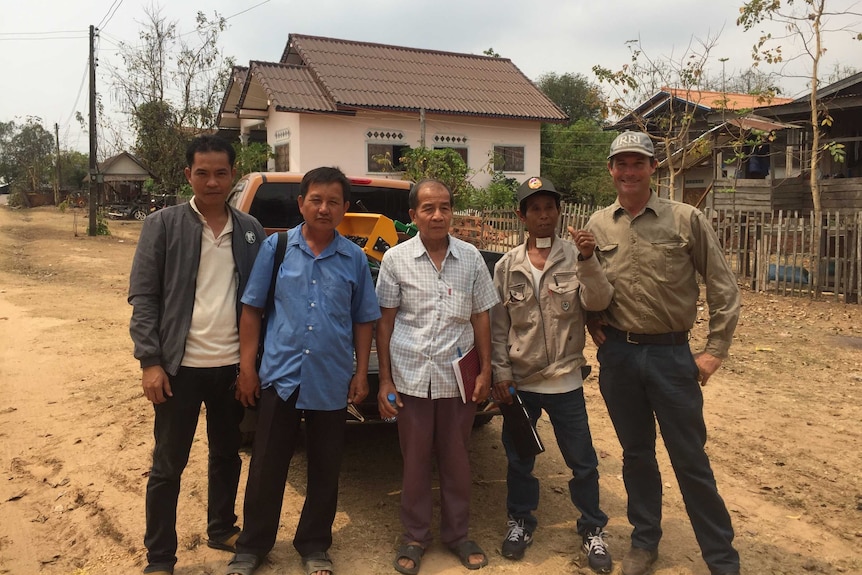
(44, 44)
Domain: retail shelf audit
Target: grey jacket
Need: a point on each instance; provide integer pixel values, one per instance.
(164, 274)
(538, 335)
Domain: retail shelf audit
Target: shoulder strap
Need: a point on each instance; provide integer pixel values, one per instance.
(280, 249)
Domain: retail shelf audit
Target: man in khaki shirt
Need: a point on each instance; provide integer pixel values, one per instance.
(652, 250)
(546, 286)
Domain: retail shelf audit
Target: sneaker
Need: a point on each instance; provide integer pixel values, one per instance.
(598, 556)
(518, 538)
(639, 561)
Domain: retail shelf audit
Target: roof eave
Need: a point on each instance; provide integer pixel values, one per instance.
(415, 110)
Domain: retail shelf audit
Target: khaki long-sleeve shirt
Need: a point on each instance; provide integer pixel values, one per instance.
(652, 260)
(538, 333)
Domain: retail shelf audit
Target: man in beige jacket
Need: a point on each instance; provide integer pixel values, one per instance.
(537, 334)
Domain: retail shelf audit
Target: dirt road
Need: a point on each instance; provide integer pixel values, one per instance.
(784, 414)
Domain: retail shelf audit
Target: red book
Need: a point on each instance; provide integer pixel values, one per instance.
(466, 369)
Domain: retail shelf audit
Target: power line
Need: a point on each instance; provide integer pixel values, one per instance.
(247, 10)
(109, 14)
(45, 39)
(43, 33)
(68, 121)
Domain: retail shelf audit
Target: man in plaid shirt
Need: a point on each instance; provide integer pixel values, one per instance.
(434, 292)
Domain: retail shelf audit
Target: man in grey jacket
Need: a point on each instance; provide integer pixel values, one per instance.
(191, 264)
(537, 337)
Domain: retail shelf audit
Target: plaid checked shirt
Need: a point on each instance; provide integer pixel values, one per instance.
(434, 309)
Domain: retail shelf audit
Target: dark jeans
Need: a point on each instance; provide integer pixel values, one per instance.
(174, 430)
(274, 444)
(568, 414)
(645, 383)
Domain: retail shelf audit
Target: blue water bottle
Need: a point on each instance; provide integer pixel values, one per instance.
(391, 399)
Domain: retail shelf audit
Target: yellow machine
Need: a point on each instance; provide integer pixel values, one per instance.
(373, 233)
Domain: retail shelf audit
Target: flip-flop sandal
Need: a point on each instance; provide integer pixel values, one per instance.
(463, 551)
(243, 564)
(317, 561)
(412, 552)
(228, 544)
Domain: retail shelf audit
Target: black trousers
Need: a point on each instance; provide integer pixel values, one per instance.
(274, 445)
(175, 424)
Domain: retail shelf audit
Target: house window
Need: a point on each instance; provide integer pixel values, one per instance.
(385, 157)
(509, 158)
(452, 142)
(384, 149)
(282, 158)
(460, 151)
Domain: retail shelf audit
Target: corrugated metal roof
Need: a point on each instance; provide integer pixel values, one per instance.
(726, 100)
(363, 75)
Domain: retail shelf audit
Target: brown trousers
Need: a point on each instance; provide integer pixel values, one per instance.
(429, 430)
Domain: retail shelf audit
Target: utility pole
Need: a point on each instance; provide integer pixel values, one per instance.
(723, 87)
(57, 167)
(94, 189)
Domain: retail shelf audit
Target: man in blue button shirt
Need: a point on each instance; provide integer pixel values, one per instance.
(324, 308)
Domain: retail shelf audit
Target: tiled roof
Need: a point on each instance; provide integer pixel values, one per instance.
(726, 100)
(355, 75)
(290, 88)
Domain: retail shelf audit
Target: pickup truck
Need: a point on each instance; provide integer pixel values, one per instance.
(271, 197)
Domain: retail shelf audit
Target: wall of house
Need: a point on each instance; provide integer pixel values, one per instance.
(330, 139)
(283, 129)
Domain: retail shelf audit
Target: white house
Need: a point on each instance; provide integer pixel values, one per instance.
(343, 103)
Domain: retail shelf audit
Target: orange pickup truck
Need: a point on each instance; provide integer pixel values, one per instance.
(271, 197)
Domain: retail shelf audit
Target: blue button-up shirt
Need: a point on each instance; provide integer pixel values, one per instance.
(309, 333)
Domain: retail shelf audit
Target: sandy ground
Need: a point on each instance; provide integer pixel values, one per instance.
(784, 416)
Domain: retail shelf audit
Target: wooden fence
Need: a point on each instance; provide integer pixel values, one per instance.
(770, 251)
(501, 230)
(773, 252)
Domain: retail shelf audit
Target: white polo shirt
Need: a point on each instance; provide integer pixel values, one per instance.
(213, 338)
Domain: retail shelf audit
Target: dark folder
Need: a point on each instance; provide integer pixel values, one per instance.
(516, 422)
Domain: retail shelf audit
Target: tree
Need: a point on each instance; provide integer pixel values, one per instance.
(635, 83)
(807, 21)
(8, 168)
(27, 159)
(30, 154)
(251, 157)
(501, 192)
(750, 81)
(575, 158)
(74, 167)
(573, 155)
(443, 164)
(171, 87)
(161, 144)
(574, 94)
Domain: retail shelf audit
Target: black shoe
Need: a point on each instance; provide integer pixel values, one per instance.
(518, 538)
(598, 556)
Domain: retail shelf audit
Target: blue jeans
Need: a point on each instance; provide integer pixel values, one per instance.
(174, 430)
(568, 414)
(642, 384)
